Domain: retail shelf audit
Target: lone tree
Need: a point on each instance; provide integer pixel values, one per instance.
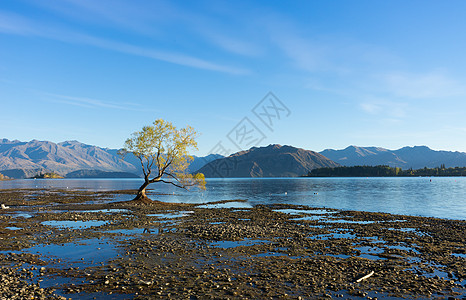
(162, 150)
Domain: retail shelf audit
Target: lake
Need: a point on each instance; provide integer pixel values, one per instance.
(442, 197)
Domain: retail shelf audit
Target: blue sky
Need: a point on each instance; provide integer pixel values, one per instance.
(367, 73)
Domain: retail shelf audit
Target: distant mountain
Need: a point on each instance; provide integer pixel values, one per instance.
(270, 161)
(61, 158)
(359, 156)
(23, 173)
(408, 157)
(100, 174)
(199, 162)
(25, 159)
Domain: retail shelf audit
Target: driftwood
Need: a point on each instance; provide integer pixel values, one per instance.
(365, 277)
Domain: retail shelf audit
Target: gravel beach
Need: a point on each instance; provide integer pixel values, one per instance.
(61, 244)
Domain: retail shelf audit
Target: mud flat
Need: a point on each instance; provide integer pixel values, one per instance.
(57, 244)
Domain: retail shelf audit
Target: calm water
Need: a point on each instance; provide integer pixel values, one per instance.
(437, 197)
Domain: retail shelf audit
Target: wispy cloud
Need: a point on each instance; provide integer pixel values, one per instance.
(385, 112)
(124, 15)
(92, 103)
(433, 84)
(385, 107)
(171, 57)
(14, 24)
(231, 44)
(325, 53)
(304, 53)
(151, 19)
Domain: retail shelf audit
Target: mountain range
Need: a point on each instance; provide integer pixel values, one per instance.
(407, 157)
(26, 159)
(61, 158)
(270, 161)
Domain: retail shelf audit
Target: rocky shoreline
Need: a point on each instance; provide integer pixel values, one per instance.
(82, 245)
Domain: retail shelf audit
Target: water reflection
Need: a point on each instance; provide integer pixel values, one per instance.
(84, 253)
(75, 224)
(441, 197)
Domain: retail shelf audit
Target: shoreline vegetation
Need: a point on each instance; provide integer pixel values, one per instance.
(343, 171)
(57, 244)
(50, 175)
(386, 171)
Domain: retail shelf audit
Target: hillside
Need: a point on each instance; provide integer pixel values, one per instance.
(199, 162)
(99, 174)
(408, 157)
(386, 171)
(25, 159)
(61, 158)
(270, 161)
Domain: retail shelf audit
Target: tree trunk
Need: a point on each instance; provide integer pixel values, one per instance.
(141, 196)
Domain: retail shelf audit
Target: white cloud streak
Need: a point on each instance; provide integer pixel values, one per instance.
(422, 85)
(91, 103)
(385, 107)
(18, 25)
(345, 66)
(232, 44)
(304, 54)
(148, 20)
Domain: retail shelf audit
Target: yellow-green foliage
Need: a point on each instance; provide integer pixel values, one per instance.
(163, 152)
(48, 176)
(52, 175)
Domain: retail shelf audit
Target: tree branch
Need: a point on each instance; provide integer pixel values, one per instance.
(158, 160)
(149, 170)
(171, 182)
(155, 179)
(142, 165)
(151, 163)
(193, 183)
(165, 167)
(172, 176)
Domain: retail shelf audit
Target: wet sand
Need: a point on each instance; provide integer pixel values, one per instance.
(84, 245)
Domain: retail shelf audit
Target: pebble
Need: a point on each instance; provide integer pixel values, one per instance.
(275, 255)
